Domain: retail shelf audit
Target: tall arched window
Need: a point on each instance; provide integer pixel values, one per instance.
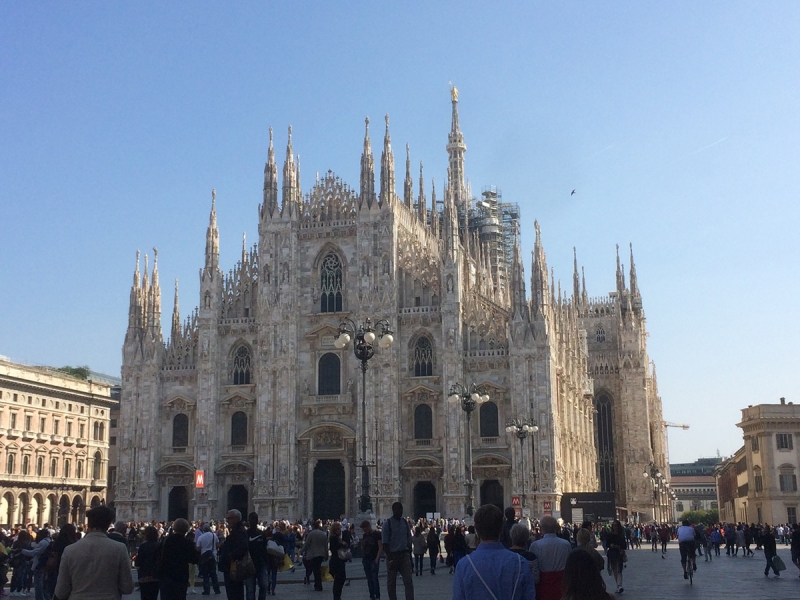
(26, 464)
(241, 366)
(423, 357)
(329, 375)
(102, 432)
(67, 468)
(489, 421)
(79, 469)
(423, 422)
(239, 429)
(11, 463)
(98, 463)
(96, 431)
(180, 431)
(601, 334)
(605, 443)
(39, 466)
(330, 275)
(53, 467)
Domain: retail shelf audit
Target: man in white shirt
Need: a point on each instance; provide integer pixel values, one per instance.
(206, 544)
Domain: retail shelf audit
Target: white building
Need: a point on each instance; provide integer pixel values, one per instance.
(251, 390)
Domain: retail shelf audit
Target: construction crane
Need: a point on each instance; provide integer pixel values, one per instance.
(666, 425)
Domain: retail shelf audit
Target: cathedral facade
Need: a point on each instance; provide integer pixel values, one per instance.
(252, 395)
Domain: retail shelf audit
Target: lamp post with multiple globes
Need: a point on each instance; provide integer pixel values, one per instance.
(661, 491)
(363, 337)
(521, 428)
(469, 398)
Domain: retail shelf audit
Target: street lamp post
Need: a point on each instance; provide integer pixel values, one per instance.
(659, 481)
(363, 337)
(521, 428)
(469, 398)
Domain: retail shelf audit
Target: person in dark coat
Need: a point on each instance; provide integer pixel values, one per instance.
(173, 567)
(768, 541)
(146, 564)
(257, 546)
(434, 546)
(336, 565)
(233, 549)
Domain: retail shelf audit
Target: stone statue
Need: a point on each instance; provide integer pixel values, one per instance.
(454, 93)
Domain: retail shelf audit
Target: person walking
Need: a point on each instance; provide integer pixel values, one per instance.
(419, 545)
(434, 545)
(768, 542)
(147, 564)
(177, 553)
(582, 581)
(233, 549)
(257, 547)
(372, 550)
(616, 553)
(337, 565)
(207, 564)
(520, 540)
(38, 556)
(315, 551)
(552, 552)
(492, 572)
(396, 535)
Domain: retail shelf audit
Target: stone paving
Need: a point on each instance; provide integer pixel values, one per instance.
(646, 576)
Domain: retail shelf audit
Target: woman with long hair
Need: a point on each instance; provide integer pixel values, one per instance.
(146, 563)
(66, 536)
(336, 565)
(582, 579)
(615, 541)
(19, 563)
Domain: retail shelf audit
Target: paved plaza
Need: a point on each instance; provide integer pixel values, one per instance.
(647, 576)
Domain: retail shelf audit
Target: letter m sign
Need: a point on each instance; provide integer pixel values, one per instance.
(199, 479)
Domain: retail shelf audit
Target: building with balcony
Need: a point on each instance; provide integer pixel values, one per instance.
(53, 444)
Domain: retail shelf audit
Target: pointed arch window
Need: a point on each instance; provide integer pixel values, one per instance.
(601, 334)
(180, 431)
(423, 422)
(490, 426)
(239, 429)
(331, 284)
(241, 366)
(605, 443)
(98, 464)
(329, 375)
(423, 357)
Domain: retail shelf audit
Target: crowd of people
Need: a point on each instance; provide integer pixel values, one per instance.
(496, 556)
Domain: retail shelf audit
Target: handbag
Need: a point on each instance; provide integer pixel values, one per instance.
(243, 568)
(344, 554)
(275, 549)
(778, 563)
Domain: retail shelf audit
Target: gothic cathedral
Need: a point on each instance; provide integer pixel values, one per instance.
(252, 393)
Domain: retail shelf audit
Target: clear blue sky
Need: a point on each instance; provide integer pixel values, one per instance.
(676, 122)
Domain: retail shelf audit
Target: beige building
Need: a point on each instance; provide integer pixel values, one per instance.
(53, 444)
(253, 392)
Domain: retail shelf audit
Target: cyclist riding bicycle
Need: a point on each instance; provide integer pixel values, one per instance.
(686, 544)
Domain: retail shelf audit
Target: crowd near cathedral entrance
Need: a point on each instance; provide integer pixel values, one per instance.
(256, 392)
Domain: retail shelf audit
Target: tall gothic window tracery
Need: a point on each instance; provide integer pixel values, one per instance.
(239, 429)
(601, 334)
(331, 284)
(605, 443)
(241, 366)
(329, 375)
(423, 357)
(490, 426)
(180, 431)
(423, 422)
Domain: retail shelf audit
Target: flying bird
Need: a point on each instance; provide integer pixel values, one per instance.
(573, 193)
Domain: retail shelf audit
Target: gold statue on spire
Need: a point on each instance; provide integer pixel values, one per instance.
(454, 93)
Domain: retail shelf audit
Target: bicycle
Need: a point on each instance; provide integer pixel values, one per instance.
(688, 555)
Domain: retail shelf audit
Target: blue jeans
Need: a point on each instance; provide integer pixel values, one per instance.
(371, 569)
(38, 585)
(262, 578)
